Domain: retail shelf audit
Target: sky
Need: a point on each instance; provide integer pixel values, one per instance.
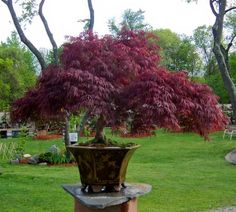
(63, 17)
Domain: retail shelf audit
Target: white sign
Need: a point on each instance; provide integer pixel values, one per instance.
(73, 137)
(9, 133)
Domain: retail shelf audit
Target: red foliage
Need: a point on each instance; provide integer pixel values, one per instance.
(118, 60)
(169, 100)
(25, 107)
(119, 78)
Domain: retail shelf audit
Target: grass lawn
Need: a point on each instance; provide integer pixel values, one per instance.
(186, 173)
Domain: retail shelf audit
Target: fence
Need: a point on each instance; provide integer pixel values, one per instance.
(8, 150)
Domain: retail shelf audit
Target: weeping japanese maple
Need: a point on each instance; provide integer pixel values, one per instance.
(113, 77)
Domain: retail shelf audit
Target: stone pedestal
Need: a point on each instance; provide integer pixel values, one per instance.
(122, 201)
(231, 157)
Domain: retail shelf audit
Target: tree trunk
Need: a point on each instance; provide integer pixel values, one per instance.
(228, 83)
(82, 124)
(66, 136)
(91, 11)
(21, 33)
(99, 137)
(49, 33)
(220, 52)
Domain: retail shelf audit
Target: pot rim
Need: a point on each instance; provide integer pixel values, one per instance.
(105, 147)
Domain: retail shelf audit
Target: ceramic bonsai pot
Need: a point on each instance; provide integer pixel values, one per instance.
(102, 166)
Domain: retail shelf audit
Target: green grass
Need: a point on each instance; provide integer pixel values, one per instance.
(186, 174)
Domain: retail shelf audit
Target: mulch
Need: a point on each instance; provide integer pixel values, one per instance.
(47, 137)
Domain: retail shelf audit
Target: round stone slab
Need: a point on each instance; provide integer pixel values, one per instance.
(105, 199)
(231, 157)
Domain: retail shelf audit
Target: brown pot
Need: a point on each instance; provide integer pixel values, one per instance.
(102, 166)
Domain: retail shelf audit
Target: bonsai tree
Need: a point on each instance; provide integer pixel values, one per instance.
(118, 78)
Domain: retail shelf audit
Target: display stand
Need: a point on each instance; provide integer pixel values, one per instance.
(122, 201)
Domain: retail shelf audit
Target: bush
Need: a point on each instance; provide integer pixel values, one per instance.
(55, 158)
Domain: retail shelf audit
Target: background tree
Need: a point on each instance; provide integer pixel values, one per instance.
(31, 8)
(131, 20)
(88, 23)
(232, 63)
(221, 8)
(91, 12)
(27, 15)
(230, 34)
(202, 37)
(169, 43)
(178, 52)
(17, 71)
(221, 51)
(216, 83)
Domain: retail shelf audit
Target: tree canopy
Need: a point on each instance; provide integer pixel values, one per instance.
(116, 78)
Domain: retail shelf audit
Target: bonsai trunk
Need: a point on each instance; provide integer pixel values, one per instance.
(66, 138)
(99, 137)
(82, 124)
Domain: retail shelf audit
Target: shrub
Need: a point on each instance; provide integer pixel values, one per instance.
(55, 158)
